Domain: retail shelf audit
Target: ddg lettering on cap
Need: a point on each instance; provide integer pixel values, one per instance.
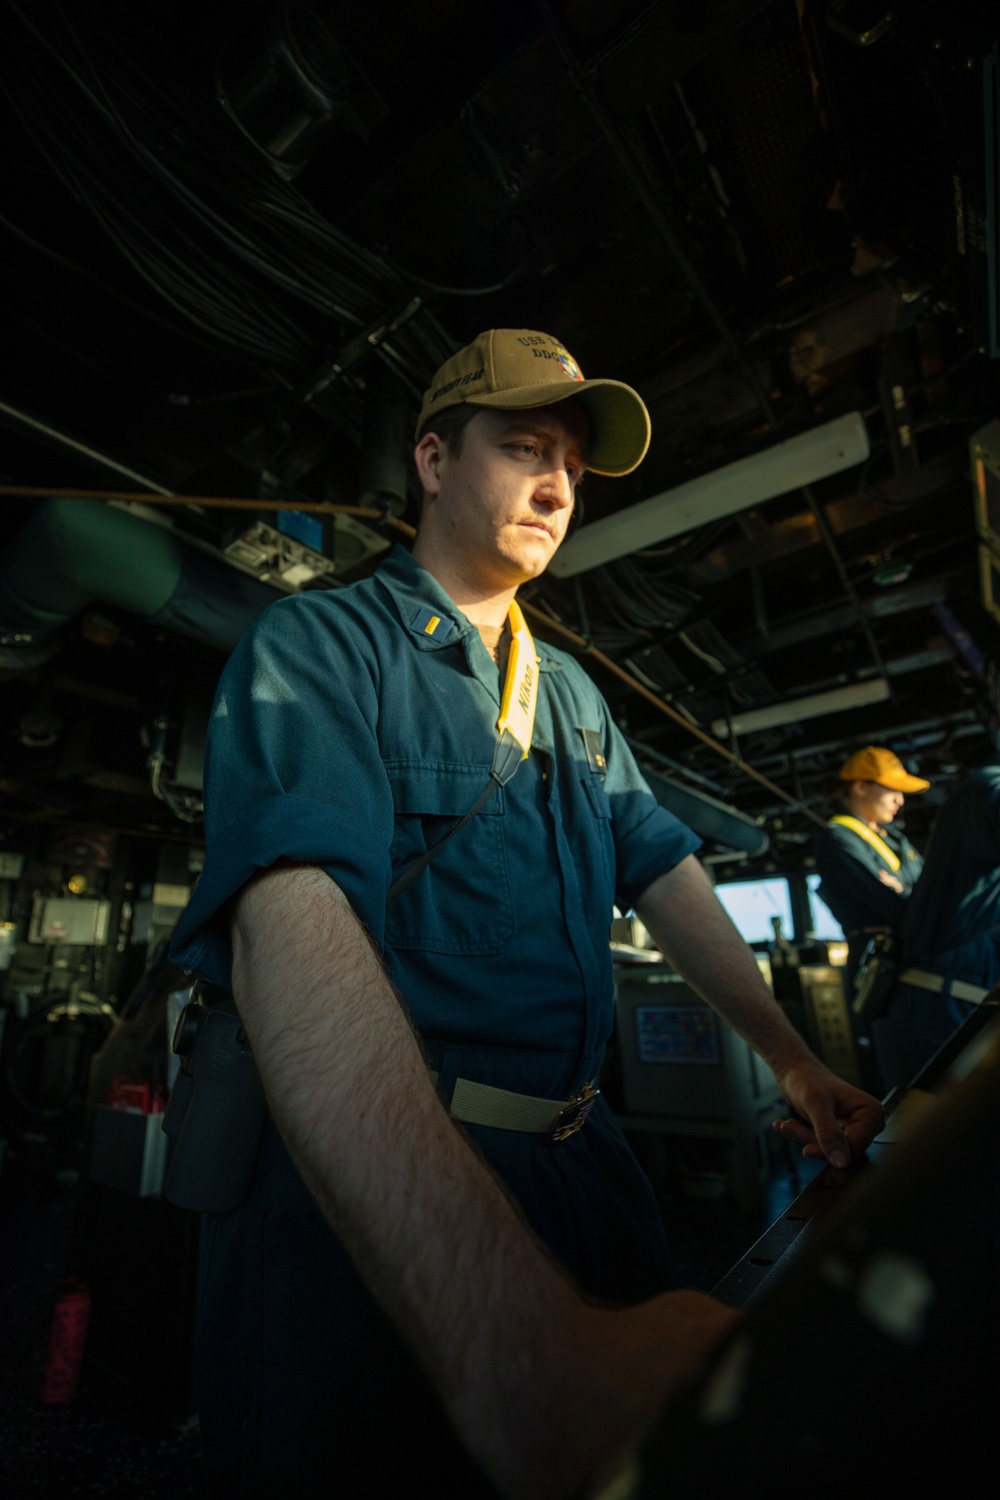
(511, 369)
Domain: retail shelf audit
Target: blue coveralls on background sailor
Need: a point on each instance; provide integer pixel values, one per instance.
(950, 932)
(351, 729)
(868, 872)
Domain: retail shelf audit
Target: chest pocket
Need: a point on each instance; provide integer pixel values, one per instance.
(462, 902)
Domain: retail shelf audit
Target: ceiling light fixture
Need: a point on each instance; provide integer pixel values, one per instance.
(787, 466)
(855, 695)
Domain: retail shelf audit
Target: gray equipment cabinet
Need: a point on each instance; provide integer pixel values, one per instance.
(815, 998)
(684, 1072)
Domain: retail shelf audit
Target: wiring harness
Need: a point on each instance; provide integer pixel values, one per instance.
(237, 252)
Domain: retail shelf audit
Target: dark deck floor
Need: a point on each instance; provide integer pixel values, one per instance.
(128, 1433)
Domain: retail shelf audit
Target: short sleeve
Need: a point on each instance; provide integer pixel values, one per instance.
(649, 840)
(292, 771)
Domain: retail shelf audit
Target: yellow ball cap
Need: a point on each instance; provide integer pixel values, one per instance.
(519, 368)
(875, 763)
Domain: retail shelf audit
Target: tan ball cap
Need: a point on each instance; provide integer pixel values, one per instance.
(518, 368)
(876, 764)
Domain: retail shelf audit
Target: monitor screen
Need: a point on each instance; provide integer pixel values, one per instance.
(824, 924)
(752, 904)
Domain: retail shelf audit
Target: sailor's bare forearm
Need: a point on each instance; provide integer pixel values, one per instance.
(541, 1386)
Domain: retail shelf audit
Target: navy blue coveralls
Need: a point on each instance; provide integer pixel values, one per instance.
(951, 927)
(352, 729)
(850, 870)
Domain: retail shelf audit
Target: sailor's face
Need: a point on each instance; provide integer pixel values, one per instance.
(877, 803)
(503, 503)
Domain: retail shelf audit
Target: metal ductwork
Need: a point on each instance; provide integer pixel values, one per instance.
(708, 817)
(73, 553)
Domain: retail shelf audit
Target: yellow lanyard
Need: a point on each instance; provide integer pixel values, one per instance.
(514, 727)
(520, 688)
(864, 832)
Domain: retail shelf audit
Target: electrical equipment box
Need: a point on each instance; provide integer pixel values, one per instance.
(828, 1019)
(69, 919)
(288, 562)
(278, 558)
(686, 1072)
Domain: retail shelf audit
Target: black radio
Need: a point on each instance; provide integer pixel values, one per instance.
(216, 1110)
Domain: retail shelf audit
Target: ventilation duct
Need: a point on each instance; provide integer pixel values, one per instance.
(73, 553)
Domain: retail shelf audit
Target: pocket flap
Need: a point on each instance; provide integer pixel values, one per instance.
(440, 789)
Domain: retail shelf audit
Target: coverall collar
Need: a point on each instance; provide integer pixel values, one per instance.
(419, 599)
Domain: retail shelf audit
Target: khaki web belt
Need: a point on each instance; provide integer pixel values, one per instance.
(957, 989)
(482, 1104)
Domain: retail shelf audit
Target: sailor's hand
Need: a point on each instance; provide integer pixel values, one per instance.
(837, 1121)
(634, 1361)
(891, 881)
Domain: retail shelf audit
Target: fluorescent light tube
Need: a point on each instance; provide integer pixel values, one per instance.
(787, 466)
(855, 695)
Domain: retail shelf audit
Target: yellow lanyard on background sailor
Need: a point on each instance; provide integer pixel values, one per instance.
(863, 831)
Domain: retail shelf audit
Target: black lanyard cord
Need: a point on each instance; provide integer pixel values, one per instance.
(506, 758)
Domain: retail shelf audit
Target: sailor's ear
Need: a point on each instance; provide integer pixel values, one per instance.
(429, 455)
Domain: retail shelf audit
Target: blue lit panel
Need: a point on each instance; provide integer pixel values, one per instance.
(676, 1034)
(303, 527)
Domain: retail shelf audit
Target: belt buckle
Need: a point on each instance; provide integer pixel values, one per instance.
(573, 1114)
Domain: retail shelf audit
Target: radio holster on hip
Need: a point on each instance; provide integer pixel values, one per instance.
(216, 1109)
(876, 979)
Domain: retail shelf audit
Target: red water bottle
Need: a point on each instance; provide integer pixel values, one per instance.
(67, 1336)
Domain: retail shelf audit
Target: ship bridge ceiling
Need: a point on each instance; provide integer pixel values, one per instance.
(239, 239)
